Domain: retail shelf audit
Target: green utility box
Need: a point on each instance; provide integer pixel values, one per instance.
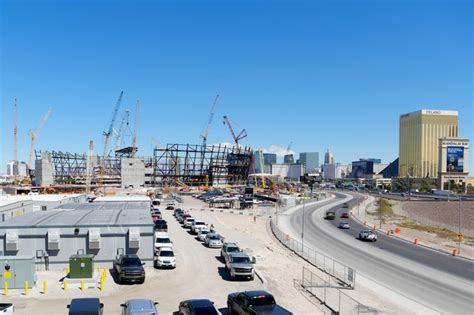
(81, 266)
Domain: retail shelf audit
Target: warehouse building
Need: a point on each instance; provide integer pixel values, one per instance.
(102, 229)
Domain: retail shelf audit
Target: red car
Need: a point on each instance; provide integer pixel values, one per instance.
(345, 215)
(156, 217)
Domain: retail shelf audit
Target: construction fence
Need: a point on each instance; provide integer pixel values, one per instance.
(345, 274)
(332, 296)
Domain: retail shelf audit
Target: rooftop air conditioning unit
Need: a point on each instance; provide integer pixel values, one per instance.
(54, 237)
(12, 241)
(94, 239)
(134, 238)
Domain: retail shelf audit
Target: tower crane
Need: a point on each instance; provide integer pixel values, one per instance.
(15, 141)
(211, 116)
(108, 133)
(288, 150)
(119, 135)
(135, 129)
(236, 137)
(33, 136)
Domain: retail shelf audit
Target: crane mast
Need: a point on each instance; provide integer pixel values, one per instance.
(211, 116)
(108, 133)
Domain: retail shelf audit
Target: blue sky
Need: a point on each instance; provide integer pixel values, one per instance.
(322, 74)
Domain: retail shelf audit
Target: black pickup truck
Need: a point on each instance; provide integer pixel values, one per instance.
(254, 303)
(129, 268)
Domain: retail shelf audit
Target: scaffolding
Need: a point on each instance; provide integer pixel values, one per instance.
(196, 165)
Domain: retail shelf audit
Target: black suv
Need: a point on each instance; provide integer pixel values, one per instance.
(89, 306)
(161, 226)
(129, 268)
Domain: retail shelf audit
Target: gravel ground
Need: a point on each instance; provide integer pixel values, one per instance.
(442, 213)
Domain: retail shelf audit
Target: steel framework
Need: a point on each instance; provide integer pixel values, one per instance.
(192, 164)
(71, 169)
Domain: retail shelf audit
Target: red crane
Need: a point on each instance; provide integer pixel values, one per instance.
(238, 137)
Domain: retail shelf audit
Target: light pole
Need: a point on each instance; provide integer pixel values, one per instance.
(460, 225)
(302, 225)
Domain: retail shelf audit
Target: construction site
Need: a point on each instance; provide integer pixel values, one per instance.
(118, 165)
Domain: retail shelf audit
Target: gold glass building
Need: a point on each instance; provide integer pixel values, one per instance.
(420, 132)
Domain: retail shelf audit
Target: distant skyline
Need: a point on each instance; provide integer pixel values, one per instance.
(320, 74)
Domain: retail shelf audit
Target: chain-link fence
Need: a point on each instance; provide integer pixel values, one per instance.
(332, 296)
(345, 274)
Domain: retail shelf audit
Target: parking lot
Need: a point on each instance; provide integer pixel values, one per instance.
(199, 274)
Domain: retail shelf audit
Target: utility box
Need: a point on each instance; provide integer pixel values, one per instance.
(15, 270)
(81, 266)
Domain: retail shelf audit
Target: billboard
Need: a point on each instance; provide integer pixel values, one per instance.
(455, 160)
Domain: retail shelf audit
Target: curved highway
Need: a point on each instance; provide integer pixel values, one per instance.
(438, 281)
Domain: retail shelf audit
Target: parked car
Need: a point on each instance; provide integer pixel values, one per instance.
(188, 222)
(197, 225)
(254, 303)
(7, 309)
(86, 306)
(155, 217)
(155, 211)
(345, 215)
(330, 215)
(161, 226)
(345, 205)
(162, 239)
(213, 240)
(155, 203)
(165, 258)
(179, 215)
(139, 307)
(170, 206)
(367, 235)
(197, 307)
(202, 234)
(228, 248)
(177, 210)
(344, 225)
(239, 265)
(129, 268)
(183, 217)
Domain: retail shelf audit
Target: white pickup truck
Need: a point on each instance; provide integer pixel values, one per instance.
(198, 225)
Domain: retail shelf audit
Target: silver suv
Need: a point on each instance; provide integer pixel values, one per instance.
(228, 248)
(239, 265)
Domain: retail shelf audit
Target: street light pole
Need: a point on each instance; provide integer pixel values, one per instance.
(460, 225)
(302, 224)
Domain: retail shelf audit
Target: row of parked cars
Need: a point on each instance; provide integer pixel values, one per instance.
(237, 263)
(238, 303)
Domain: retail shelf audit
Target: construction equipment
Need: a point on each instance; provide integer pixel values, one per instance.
(15, 142)
(288, 150)
(119, 134)
(108, 133)
(33, 136)
(135, 129)
(211, 116)
(238, 137)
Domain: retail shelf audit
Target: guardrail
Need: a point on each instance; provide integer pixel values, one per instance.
(345, 274)
(332, 297)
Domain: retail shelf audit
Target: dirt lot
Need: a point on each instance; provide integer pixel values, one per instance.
(442, 213)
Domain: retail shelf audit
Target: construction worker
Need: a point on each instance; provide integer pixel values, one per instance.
(211, 229)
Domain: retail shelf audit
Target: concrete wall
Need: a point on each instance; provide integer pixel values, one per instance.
(133, 173)
(44, 171)
(112, 238)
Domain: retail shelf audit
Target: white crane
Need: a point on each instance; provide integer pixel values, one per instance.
(211, 116)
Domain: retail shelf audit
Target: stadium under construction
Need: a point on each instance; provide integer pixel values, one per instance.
(174, 165)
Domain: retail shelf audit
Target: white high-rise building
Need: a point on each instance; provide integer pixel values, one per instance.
(329, 158)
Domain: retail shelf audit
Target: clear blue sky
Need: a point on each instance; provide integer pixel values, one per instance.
(323, 74)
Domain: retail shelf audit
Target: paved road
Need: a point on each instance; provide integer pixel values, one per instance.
(438, 281)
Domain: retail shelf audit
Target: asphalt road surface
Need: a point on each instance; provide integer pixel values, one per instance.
(438, 281)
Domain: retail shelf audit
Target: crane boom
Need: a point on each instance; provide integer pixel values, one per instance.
(135, 129)
(119, 135)
(108, 133)
(238, 137)
(34, 135)
(211, 116)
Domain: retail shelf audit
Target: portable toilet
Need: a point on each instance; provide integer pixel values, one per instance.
(81, 266)
(15, 270)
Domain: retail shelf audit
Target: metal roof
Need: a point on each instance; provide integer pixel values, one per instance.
(123, 198)
(86, 214)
